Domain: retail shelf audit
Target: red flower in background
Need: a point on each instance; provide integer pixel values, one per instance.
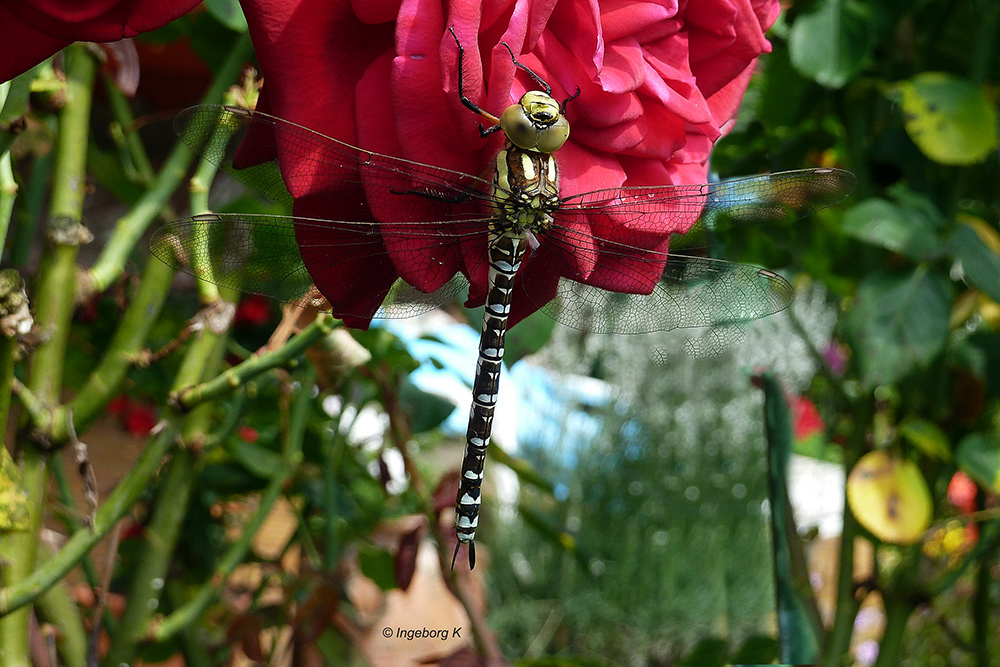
(254, 310)
(137, 418)
(32, 30)
(659, 83)
(962, 492)
(808, 421)
(248, 434)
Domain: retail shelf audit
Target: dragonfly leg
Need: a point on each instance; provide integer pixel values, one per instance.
(436, 195)
(495, 122)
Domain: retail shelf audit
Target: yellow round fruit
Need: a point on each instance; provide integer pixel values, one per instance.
(889, 497)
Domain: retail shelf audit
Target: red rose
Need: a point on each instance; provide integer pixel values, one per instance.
(659, 83)
(32, 30)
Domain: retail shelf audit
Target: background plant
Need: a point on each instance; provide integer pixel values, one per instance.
(896, 341)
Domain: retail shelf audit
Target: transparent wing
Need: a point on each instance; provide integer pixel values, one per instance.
(260, 254)
(692, 292)
(615, 213)
(616, 238)
(249, 144)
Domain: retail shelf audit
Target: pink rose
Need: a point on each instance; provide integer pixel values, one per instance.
(659, 83)
(32, 30)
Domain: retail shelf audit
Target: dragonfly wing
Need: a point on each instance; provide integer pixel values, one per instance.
(777, 197)
(687, 211)
(260, 254)
(693, 292)
(395, 189)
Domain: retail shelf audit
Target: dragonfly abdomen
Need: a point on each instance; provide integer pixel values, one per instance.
(505, 254)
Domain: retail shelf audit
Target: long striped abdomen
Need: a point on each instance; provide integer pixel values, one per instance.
(505, 257)
(525, 192)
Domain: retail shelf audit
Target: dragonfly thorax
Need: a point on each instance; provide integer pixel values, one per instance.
(526, 191)
(535, 123)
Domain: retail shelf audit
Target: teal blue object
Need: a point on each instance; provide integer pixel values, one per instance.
(799, 625)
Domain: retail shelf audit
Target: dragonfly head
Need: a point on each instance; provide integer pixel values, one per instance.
(535, 123)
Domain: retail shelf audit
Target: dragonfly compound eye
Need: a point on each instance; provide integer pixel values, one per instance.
(535, 123)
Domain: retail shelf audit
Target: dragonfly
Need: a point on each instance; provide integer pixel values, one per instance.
(501, 224)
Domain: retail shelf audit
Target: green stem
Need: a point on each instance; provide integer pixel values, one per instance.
(8, 195)
(53, 309)
(135, 153)
(55, 289)
(835, 380)
(28, 212)
(118, 503)
(897, 612)
(839, 637)
(121, 500)
(173, 496)
(800, 627)
(984, 585)
(56, 606)
(199, 187)
(128, 341)
(150, 572)
(187, 614)
(254, 366)
(130, 227)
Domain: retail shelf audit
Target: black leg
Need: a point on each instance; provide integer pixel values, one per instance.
(461, 90)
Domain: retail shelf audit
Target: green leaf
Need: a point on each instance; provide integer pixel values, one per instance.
(899, 323)
(909, 226)
(784, 94)
(830, 44)
(379, 566)
(982, 355)
(980, 264)
(950, 119)
(426, 410)
(756, 650)
(927, 437)
(259, 460)
(529, 336)
(525, 471)
(979, 458)
(228, 13)
(561, 661)
(16, 101)
(709, 652)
